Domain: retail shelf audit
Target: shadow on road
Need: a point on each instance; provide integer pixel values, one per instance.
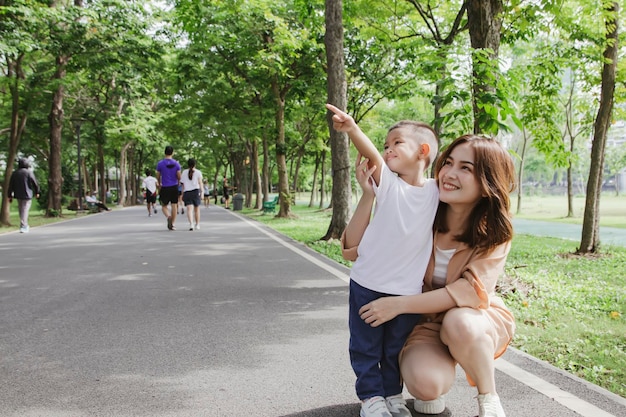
(352, 410)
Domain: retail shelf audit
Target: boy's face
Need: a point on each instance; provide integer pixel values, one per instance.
(401, 150)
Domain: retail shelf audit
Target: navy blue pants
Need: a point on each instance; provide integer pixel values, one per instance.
(374, 350)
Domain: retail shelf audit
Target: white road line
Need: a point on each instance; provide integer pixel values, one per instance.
(326, 267)
(570, 401)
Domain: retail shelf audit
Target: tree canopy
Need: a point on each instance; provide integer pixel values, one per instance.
(241, 86)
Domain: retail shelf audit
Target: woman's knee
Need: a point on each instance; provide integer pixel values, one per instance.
(428, 372)
(461, 325)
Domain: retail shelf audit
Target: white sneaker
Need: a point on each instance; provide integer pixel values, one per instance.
(190, 226)
(436, 406)
(489, 406)
(374, 407)
(396, 404)
(197, 226)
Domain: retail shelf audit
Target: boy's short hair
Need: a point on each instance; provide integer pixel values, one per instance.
(429, 136)
(169, 150)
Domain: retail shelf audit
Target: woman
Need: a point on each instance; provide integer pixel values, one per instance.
(463, 321)
(191, 181)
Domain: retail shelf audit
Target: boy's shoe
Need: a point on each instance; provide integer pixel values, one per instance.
(489, 406)
(24, 229)
(396, 404)
(197, 226)
(374, 407)
(190, 227)
(436, 406)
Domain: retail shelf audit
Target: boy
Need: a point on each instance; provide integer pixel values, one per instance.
(150, 187)
(392, 255)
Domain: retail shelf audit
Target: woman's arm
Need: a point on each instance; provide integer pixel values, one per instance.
(387, 308)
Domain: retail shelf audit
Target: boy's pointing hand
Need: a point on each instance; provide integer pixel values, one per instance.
(342, 122)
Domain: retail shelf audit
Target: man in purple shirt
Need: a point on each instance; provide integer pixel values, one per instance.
(168, 177)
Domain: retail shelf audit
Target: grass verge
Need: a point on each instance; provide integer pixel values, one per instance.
(569, 310)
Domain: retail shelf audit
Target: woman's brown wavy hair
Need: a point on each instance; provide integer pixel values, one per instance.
(490, 222)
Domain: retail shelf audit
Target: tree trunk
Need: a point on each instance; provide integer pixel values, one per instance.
(101, 183)
(323, 180)
(14, 70)
(484, 19)
(284, 202)
(520, 176)
(339, 144)
(570, 185)
(591, 219)
(121, 190)
(314, 184)
(55, 119)
(267, 180)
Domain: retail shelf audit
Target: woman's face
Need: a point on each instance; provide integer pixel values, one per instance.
(458, 185)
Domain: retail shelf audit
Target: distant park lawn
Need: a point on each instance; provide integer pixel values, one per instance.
(554, 208)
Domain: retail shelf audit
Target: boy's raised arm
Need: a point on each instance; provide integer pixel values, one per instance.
(343, 122)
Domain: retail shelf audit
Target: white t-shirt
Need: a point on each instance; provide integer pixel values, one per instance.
(194, 182)
(440, 273)
(397, 244)
(149, 183)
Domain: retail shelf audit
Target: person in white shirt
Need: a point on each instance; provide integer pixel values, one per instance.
(150, 187)
(91, 199)
(191, 180)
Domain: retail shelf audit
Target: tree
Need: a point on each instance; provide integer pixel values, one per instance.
(591, 218)
(484, 19)
(21, 29)
(339, 143)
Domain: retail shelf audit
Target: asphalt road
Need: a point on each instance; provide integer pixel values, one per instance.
(113, 315)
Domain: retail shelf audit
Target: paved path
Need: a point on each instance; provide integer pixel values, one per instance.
(113, 315)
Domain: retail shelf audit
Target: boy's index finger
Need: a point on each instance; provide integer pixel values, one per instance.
(334, 109)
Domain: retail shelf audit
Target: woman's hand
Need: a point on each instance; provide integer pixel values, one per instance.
(364, 175)
(380, 311)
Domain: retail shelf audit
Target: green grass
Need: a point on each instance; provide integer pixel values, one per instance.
(554, 208)
(36, 217)
(569, 310)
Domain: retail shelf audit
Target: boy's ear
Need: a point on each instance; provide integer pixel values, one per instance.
(425, 149)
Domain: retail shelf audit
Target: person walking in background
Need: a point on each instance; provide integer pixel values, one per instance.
(215, 195)
(206, 193)
(393, 256)
(150, 187)
(191, 180)
(23, 186)
(180, 200)
(168, 178)
(463, 320)
(226, 194)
